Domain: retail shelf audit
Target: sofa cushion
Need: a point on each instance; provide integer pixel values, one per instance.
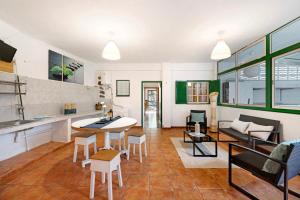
(253, 163)
(239, 126)
(233, 133)
(280, 152)
(197, 117)
(264, 133)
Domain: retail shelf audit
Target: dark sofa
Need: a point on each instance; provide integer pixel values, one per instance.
(274, 136)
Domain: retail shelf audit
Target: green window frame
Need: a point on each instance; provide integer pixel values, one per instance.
(223, 90)
(248, 48)
(268, 59)
(181, 90)
(274, 81)
(259, 78)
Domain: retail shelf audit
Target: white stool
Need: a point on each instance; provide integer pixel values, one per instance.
(137, 138)
(118, 137)
(105, 161)
(85, 139)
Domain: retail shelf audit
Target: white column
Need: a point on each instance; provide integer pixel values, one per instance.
(166, 90)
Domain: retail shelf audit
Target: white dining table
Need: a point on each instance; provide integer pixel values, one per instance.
(118, 125)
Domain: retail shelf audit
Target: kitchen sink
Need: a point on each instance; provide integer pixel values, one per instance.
(14, 123)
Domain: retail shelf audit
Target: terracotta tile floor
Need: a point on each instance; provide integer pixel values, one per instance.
(160, 176)
(17, 162)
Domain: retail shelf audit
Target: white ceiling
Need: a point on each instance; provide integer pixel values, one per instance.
(147, 30)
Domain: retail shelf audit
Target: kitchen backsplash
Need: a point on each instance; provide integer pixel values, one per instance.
(44, 97)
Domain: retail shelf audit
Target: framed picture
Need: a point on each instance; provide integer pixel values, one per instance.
(55, 66)
(63, 68)
(122, 88)
(73, 71)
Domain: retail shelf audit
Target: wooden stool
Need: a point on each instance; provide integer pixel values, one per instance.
(85, 139)
(137, 138)
(105, 161)
(119, 137)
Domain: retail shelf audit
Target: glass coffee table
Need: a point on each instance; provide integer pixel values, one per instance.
(199, 141)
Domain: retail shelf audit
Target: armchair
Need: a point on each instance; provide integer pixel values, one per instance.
(196, 116)
(254, 161)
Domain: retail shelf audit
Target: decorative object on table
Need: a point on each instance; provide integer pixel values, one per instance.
(197, 128)
(122, 88)
(104, 108)
(213, 107)
(200, 138)
(63, 68)
(277, 168)
(98, 106)
(70, 108)
(110, 114)
(196, 116)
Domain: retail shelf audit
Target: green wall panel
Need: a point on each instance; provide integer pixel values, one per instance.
(180, 92)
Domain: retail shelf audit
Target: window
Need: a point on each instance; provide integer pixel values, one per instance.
(286, 84)
(228, 88)
(252, 85)
(197, 92)
(226, 64)
(252, 52)
(286, 36)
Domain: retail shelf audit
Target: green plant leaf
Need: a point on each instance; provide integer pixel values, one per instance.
(56, 70)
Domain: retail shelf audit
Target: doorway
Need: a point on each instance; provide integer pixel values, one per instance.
(152, 104)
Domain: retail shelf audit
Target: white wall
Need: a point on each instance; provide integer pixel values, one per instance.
(289, 122)
(136, 73)
(196, 71)
(173, 114)
(32, 55)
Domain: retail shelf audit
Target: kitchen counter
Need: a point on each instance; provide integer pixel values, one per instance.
(49, 120)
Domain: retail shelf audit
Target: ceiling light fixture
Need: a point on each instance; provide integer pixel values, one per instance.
(221, 50)
(111, 51)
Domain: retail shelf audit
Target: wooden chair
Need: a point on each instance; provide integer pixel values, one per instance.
(137, 138)
(120, 137)
(105, 161)
(85, 139)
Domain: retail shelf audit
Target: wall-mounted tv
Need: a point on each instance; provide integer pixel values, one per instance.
(7, 52)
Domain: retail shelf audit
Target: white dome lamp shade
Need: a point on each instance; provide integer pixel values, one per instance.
(220, 51)
(111, 51)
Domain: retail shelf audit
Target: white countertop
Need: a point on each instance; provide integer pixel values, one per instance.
(49, 120)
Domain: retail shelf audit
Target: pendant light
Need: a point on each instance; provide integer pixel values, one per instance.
(111, 51)
(221, 50)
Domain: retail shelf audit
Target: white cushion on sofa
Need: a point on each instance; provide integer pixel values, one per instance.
(264, 134)
(239, 126)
